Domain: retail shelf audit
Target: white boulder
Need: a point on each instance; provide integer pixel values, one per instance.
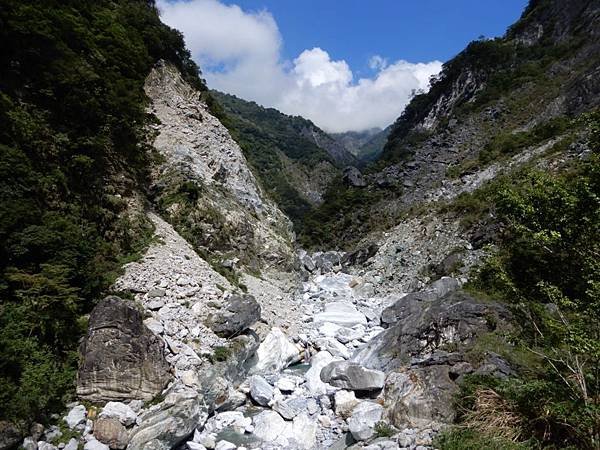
(363, 419)
(275, 353)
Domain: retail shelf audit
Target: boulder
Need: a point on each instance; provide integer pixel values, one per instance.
(111, 432)
(275, 353)
(73, 444)
(290, 408)
(341, 313)
(41, 445)
(314, 384)
(363, 419)
(419, 397)
(225, 445)
(346, 335)
(93, 444)
(422, 323)
(344, 402)
(121, 358)
(120, 411)
(268, 426)
(304, 433)
(173, 421)
(30, 444)
(333, 346)
(260, 391)
(308, 263)
(195, 446)
(76, 416)
(238, 314)
(360, 256)
(353, 376)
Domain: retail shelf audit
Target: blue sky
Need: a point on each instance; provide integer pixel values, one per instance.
(345, 64)
(354, 30)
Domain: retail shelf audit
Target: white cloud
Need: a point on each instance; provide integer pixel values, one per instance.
(240, 53)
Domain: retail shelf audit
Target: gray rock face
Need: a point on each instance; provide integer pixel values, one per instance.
(420, 396)
(275, 353)
(420, 388)
(174, 420)
(291, 408)
(421, 323)
(76, 416)
(120, 411)
(353, 376)
(342, 314)
(363, 419)
(353, 177)
(240, 312)
(121, 358)
(111, 432)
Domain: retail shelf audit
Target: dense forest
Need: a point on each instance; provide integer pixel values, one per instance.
(72, 154)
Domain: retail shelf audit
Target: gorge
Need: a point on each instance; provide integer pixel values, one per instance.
(183, 269)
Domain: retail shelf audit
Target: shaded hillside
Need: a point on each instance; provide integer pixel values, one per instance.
(73, 161)
(294, 160)
(364, 145)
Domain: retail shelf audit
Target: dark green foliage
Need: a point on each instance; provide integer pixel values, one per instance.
(344, 215)
(221, 354)
(547, 268)
(384, 430)
(264, 134)
(72, 108)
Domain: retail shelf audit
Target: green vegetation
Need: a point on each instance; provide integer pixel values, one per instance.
(72, 108)
(221, 354)
(547, 270)
(264, 134)
(468, 439)
(383, 430)
(344, 216)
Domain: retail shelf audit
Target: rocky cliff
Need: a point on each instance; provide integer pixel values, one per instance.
(203, 183)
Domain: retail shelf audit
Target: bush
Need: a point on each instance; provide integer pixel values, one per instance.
(547, 269)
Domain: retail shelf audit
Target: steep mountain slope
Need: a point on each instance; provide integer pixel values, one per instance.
(365, 145)
(89, 142)
(510, 98)
(499, 97)
(73, 166)
(469, 296)
(294, 159)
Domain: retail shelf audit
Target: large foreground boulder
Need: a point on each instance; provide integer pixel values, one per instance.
(423, 323)
(121, 358)
(425, 351)
(239, 313)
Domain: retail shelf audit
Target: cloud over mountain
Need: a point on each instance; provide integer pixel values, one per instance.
(240, 53)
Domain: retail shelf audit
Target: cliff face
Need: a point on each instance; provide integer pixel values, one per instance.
(542, 73)
(203, 184)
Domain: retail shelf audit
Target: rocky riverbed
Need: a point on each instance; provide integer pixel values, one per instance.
(335, 359)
